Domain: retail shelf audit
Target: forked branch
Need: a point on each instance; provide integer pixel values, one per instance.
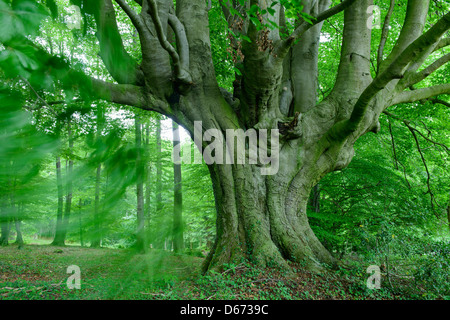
(180, 73)
(284, 46)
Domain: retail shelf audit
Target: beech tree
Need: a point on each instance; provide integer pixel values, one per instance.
(263, 217)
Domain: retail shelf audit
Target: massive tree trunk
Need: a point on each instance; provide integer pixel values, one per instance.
(262, 216)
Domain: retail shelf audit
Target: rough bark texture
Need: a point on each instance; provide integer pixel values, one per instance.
(263, 217)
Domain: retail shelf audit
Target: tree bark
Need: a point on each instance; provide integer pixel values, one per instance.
(177, 230)
(140, 230)
(257, 219)
(448, 213)
(148, 173)
(58, 239)
(4, 221)
(69, 185)
(17, 212)
(158, 167)
(158, 237)
(97, 232)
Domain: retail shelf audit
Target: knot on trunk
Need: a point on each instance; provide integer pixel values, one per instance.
(290, 129)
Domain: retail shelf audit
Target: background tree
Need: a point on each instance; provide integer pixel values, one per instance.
(177, 231)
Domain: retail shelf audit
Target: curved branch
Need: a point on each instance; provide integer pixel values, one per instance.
(134, 17)
(129, 95)
(439, 101)
(442, 44)
(421, 94)
(182, 41)
(419, 76)
(395, 71)
(181, 74)
(122, 67)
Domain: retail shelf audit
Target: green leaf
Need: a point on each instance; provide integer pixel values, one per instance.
(6, 22)
(25, 61)
(30, 13)
(21, 19)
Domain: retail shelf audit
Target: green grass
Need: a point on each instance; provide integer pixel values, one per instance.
(40, 272)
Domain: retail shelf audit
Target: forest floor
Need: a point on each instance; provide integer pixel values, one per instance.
(40, 272)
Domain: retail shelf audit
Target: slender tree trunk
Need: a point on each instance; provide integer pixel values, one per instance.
(448, 212)
(69, 185)
(19, 237)
(140, 230)
(17, 211)
(80, 204)
(97, 232)
(4, 221)
(159, 237)
(58, 239)
(158, 167)
(177, 231)
(147, 183)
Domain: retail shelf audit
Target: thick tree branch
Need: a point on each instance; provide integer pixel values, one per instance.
(119, 63)
(421, 94)
(416, 14)
(284, 46)
(134, 17)
(181, 74)
(395, 71)
(182, 42)
(445, 42)
(419, 76)
(124, 94)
